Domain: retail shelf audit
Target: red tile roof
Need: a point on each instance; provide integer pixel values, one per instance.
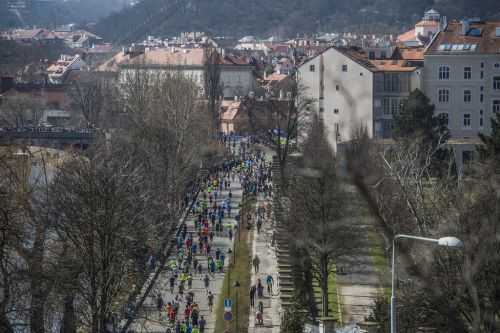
(407, 36)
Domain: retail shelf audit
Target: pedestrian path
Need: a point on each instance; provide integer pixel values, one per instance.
(268, 265)
(152, 319)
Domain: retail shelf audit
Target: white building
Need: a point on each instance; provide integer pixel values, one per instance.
(352, 92)
(462, 79)
(236, 75)
(58, 72)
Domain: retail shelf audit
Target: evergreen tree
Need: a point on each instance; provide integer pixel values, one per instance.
(491, 143)
(417, 119)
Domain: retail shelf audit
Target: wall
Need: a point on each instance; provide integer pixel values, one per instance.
(353, 99)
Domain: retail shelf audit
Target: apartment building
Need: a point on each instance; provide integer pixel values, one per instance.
(351, 91)
(236, 74)
(462, 79)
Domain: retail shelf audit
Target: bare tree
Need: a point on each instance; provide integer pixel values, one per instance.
(99, 202)
(212, 80)
(318, 212)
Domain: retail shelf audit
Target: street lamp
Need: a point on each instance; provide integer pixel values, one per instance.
(443, 241)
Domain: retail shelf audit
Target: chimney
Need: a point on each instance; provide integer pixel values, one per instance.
(465, 27)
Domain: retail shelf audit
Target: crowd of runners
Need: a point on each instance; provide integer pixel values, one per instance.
(212, 205)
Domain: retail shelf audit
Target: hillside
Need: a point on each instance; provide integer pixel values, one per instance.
(278, 17)
(56, 12)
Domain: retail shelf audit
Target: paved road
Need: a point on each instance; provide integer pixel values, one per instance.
(152, 321)
(261, 247)
(361, 282)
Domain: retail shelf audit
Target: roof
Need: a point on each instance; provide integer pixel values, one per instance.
(392, 66)
(480, 39)
(409, 53)
(186, 57)
(230, 109)
(427, 23)
(276, 77)
(407, 36)
(112, 64)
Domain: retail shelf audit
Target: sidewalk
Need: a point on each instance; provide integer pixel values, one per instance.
(361, 283)
(261, 246)
(151, 320)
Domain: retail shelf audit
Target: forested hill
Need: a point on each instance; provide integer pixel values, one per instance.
(278, 17)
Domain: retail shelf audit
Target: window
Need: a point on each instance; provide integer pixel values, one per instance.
(391, 83)
(444, 72)
(344, 68)
(481, 98)
(337, 87)
(444, 96)
(467, 157)
(336, 111)
(496, 83)
(467, 120)
(482, 65)
(482, 75)
(467, 96)
(467, 73)
(321, 109)
(312, 68)
(383, 55)
(395, 106)
(445, 118)
(481, 118)
(386, 105)
(371, 55)
(497, 65)
(337, 131)
(496, 106)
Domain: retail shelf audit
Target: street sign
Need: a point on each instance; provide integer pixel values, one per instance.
(228, 316)
(227, 305)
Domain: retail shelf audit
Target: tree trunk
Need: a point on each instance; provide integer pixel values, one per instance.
(324, 286)
(68, 322)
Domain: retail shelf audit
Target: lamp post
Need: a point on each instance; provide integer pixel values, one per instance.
(236, 314)
(444, 241)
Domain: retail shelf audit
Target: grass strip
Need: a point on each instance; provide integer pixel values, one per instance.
(239, 271)
(333, 300)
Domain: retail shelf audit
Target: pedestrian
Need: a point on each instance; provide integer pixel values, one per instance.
(201, 323)
(230, 234)
(172, 283)
(206, 282)
(269, 282)
(159, 304)
(256, 262)
(253, 289)
(190, 281)
(260, 289)
(210, 298)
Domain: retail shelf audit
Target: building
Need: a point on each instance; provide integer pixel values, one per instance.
(236, 73)
(424, 30)
(462, 79)
(351, 91)
(58, 71)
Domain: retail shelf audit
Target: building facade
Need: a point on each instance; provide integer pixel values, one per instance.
(352, 92)
(462, 79)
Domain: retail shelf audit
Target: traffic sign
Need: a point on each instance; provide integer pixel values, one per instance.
(228, 316)
(227, 305)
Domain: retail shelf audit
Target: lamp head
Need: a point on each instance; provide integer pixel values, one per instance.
(450, 242)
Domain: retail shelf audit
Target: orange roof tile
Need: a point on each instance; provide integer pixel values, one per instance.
(427, 24)
(407, 36)
(392, 66)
